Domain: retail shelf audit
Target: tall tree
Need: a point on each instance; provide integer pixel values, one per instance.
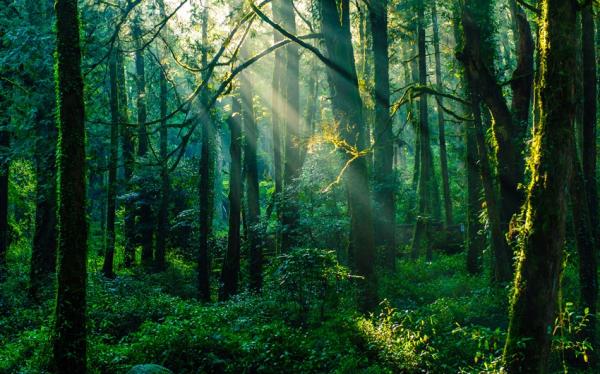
(163, 209)
(476, 57)
(231, 262)
(251, 174)
(294, 130)
(145, 221)
(277, 91)
(127, 151)
(69, 333)
(427, 189)
(347, 110)
(537, 282)
(441, 119)
(111, 196)
(384, 145)
(206, 189)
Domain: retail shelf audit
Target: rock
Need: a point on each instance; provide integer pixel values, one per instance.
(149, 369)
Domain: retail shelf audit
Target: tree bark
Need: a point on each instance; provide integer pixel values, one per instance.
(127, 151)
(145, 226)
(162, 231)
(537, 282)
(441, 120)
(251, 175)
(231, 263)
(384, 145)
(347, 111)
(111, 195)
(69, 332)
(295, 133)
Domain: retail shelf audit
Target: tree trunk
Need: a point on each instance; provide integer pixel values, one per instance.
(277, 92)
(163, 211)
(475, 241)
(384, 145)
(109, 244)
(145, 222)
(127, 151)
(207, 170)
(441, 120)
(295, 133)
(69, 335)
(426, 188)
(477, 57)
(251, 175)
(231, 262)
(347, 111)
(483, 87)
(536, 288)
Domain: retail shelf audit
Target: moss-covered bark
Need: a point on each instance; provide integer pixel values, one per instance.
(69, 331)
(347, 111)
(536, 287)
(383, 175)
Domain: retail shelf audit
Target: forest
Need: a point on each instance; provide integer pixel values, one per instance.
(308, 186)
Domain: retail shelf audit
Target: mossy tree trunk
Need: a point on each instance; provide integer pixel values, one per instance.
(347, 111)
(69, 331)
(277, 116)
(537, 281)
(162, 228)
(475, 59)
(384, 144)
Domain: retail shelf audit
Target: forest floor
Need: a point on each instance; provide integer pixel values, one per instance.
(434, 317)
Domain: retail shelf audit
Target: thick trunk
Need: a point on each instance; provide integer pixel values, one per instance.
(69, 335)
(347, 110)
(536, 288)
(231, 262)
(441, 120)
(384, 144)
(109, 244)
(206, 188)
